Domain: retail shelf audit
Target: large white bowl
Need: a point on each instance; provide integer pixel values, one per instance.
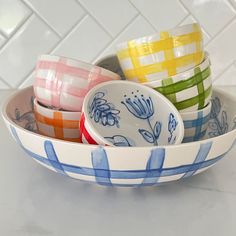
(123, 166)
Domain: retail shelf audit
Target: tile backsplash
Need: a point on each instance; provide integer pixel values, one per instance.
(89, 29)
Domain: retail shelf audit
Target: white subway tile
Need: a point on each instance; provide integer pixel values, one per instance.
(113, 15)
(162, 14)
(84, 42)
(12, 13)
(212, 14)
(61, 15)
(18, 56)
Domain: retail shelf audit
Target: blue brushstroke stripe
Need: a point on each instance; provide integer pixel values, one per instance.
(201, 157)
(49, 150)
(101, 166)
(155, 161)
(198, 128)
(197, 122)
(52, 157)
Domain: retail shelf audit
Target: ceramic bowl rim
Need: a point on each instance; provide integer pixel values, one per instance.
(206, 108)
(151, 91)
(9, 121)
(185, 74)
(50, 110)
(146, 38)
(80, 62)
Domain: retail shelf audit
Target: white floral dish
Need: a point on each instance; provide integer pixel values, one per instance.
(123, 166)
(123, 113)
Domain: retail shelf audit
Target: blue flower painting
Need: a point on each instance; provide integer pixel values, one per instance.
(142, 108)
(103, 112)
(27, 117)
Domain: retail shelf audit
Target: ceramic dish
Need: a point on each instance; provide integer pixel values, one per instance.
(123, 166)
(62, 83)
(196, 123)
(56, 123)
(111, 63)
(190, 90)
(161, 55)
(123, 113)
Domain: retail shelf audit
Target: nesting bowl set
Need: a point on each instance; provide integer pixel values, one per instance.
(86, 122)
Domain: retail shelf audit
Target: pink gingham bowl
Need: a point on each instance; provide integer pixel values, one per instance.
(62, 83)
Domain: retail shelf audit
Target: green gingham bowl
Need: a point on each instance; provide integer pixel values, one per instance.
(190, 90)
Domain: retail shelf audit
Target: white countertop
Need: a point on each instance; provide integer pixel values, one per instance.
(37, 201)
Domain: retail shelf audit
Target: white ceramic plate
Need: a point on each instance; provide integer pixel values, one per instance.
(123, 166)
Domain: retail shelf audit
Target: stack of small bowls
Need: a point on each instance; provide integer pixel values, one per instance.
(174, 63)
(60, 87)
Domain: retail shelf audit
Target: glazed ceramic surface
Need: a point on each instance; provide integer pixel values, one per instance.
(123, 166)
(111, 63)
(161, 55)
(123, 113)
(190, 90)
(62, 82)
(196, 123)
(57, 123)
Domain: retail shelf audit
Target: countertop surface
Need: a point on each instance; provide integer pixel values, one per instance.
(37, 201)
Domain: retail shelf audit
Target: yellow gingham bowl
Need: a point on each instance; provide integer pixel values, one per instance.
(162, 55)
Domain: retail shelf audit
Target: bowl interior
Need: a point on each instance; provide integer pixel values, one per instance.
(127, 114)
(20, 110)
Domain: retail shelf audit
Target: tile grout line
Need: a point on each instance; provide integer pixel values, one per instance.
(232, 5)
(222, 30)
(4, 82)
(183, 19)
(94, 18)
(139, 13)
(40, 17)
(223, 71)
(122, 30)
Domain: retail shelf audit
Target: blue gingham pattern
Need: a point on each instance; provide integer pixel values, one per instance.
(195, 129)
(105, 176)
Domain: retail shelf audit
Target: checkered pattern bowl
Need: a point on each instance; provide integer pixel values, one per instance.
(190, 90)
(123, 166)
(56, 123)
(196, 123)
(161, 55)
(62, 83)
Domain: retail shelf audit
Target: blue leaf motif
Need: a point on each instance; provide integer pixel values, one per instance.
(119, 141)
(157, 129)
(103, 112)
(148, 136)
